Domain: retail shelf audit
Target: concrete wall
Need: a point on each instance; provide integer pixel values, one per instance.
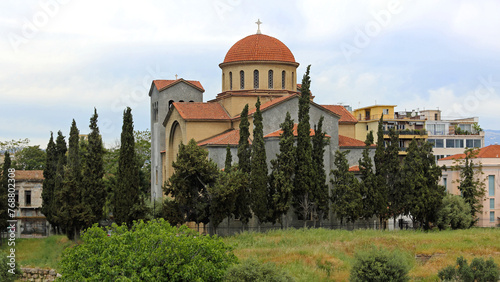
(363, 128)
(348, 130)
(218, 155)
(355, 154)
(200, 130)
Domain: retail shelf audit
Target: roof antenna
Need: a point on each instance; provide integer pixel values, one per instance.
(258, 22)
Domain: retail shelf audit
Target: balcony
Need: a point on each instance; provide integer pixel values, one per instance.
(419, 132)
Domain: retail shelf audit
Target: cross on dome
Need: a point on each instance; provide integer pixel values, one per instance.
(258, 22)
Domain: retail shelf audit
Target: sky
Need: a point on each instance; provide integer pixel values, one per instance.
(60, 59)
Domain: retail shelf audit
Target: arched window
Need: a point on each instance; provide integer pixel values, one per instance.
(242, 80)
(170, 103)
(155, 111)
(255, 79)
(230, 80)
(293, 88)
(270, 78)
(283, 80)
(182, 101)
(191, 101)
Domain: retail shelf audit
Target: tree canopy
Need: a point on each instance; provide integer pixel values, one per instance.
(193, 174)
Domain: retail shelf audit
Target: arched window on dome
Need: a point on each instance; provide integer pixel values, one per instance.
(170, 103)
(293, 88)
(242, 80)
(256, 79)
(230, 80)
(270, 78)
(283, 73)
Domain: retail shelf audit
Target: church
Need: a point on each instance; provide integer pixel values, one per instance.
(257, 66)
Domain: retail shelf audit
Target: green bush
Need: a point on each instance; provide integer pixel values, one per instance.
(479, 270)
(6, 268)
(455, 213)
(251, 270)
(380, 265)
(151, 251)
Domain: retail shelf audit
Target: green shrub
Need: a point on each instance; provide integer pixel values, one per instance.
(251, 270)
(455, 213)
(152, 251)
(6, 268)
(479, 270)
(380, 265)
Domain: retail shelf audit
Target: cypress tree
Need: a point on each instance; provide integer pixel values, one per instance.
(229, 159)
(320, 188)
(470, 184)
(242, 211)
(71, 209)
(381, 174)
(61, 159)
(421, 176)
(258, 172)
(372, 203)
(128, 205)
(4, 187)
(282, 170)
(346, 197)
(393, 176)
(49, 175)
(304, 181)
(94, 193)
(244, 150)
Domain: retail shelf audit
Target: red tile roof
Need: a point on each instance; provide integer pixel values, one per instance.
(277, 133)
(28, 175)
(345, 141)
(231, 137)
(345, 115)
(259, 47)
(164, 84)
(492, 151)
(201, 111)
(354, 168)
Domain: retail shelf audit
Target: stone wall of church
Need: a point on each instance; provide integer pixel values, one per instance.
(160, 104)
(218, 155)
(355, 154)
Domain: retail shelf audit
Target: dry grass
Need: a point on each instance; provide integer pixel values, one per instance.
(324, 255)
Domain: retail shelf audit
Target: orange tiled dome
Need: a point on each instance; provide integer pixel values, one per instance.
(259, 47)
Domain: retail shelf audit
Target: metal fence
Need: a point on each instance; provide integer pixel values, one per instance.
(224, 230)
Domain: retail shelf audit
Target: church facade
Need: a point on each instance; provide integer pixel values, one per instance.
(257, 66)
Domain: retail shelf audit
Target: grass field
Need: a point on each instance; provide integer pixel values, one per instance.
(320, 254)
(39, 252)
